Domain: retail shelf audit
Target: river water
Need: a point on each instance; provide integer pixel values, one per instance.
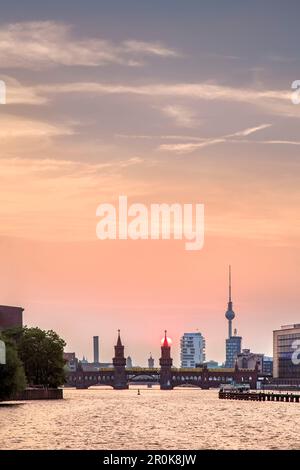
(178, 419)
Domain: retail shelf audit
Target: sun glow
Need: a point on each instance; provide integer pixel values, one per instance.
(168, 339)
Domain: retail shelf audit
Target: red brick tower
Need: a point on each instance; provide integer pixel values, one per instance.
(166, 365)
(119, 363)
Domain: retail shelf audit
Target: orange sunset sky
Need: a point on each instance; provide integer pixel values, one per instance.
(168, 104)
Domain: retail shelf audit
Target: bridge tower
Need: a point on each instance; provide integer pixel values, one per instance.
(166, 365)
(119, 363)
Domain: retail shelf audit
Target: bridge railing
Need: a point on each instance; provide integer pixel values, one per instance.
(148, 370)
(201, 369)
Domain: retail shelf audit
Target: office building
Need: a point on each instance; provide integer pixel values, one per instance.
(192, 349)
(268, 365)
(233, 348)
(286, 352)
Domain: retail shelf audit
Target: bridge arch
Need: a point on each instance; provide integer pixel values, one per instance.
(143, 378)
(187, 385)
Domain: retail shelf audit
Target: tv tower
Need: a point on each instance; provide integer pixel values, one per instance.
(229, 313)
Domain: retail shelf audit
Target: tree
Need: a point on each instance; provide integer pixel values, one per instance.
(42, 355)
(12, 375)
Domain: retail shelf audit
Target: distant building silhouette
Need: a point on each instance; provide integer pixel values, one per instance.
(150, 362)
(87, 366)
(84, 360)
(96, 349)
(211, 364)
(71, 361)
(249, 360)
(129, 362)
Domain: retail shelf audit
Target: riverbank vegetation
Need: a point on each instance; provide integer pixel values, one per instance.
(34, 357)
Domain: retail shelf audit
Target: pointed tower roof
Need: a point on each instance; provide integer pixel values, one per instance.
(119, 342)
(165, 343)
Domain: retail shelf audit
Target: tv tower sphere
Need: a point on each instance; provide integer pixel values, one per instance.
(230, 313)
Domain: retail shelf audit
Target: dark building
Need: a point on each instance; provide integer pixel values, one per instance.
(10, 317)
(96, 349)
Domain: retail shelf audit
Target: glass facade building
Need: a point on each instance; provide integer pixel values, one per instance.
(233, 348)
(286, 352)
(268, 365)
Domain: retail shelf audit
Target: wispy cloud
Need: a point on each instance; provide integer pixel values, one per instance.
(16, 126)
(281, 142)
(159, 137)
(203, 91)
(42, 44)
(182, 116)
(188, 147)
(151, 48)
(250, 130)
(189, 143)
(273, 102)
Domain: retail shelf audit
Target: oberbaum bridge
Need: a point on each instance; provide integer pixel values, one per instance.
(119, 376)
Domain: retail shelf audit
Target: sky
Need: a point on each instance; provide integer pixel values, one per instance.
(164, 102)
